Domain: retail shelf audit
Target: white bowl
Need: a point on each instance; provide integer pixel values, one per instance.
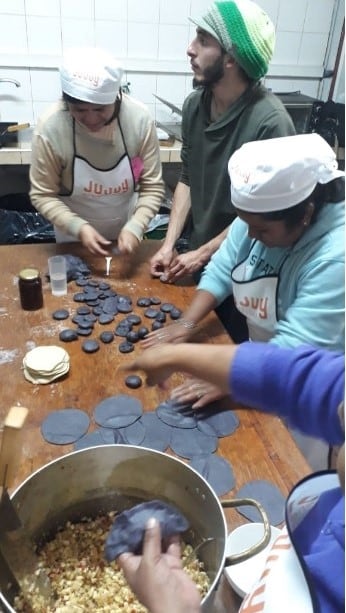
(243, 575)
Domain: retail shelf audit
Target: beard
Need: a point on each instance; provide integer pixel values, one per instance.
(211, 75)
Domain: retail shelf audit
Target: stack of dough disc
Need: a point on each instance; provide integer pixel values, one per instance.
(46, 363)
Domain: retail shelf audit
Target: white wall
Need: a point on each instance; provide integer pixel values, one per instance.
(150, 38)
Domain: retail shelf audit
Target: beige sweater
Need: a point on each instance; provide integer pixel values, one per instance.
(52, 162)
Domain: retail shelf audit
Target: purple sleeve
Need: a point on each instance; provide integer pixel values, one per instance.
(304, 385)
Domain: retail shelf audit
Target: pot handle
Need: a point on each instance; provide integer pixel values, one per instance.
(251, 551)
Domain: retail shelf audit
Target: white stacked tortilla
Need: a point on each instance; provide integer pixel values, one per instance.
(45, 364)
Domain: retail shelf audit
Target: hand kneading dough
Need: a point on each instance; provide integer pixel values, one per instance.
(46, 363)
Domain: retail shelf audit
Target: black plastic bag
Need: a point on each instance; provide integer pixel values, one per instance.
(18, 227)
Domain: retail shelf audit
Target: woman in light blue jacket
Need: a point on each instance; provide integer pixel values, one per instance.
(283, 257)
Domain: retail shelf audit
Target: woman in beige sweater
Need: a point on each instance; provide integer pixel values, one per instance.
(95, 171)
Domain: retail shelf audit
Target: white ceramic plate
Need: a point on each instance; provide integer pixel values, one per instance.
(242, 576)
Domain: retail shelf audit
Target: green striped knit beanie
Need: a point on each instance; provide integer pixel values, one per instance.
(243, 29)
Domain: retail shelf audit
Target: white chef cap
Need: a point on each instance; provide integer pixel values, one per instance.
(91, 75)
(276, 174)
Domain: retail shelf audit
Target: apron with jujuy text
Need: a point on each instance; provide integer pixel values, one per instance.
(104, 198)
(285, 585)
(256, 299)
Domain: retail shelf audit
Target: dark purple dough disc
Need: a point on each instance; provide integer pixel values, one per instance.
(189, 443)
(176, 414)
(117, 411)
(102, 436)
(157, 433)
(127, 531)
(60, 314)
(216, 471)
(90, 346)
(135, 433)
(270, 497)
(65, 426)
(213, 418)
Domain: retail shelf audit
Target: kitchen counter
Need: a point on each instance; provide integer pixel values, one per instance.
(20, 153)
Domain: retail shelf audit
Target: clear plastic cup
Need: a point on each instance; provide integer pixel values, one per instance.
(57, 275)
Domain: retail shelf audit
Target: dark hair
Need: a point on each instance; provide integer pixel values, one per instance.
(334, 191)
(70, 99)
(117, 102)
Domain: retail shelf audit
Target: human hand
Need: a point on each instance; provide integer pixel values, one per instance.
(174, 333)
(155, 362)
(184, 264)
(197, 392)
(158, 578)
(127, 242)
(93, 240)
(160, 262)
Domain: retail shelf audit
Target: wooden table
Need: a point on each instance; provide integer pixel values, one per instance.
(261, 448)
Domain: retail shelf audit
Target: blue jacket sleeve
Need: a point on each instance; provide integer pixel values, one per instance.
(304, 385)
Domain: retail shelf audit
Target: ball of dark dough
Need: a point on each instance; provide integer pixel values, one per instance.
(156, 325)
(134, 319)
(124, 307)
(90, 346)
(175, 313)
(133, 381)
(105, 318)
(142, 332)
(83, 310)
(126, 347)
(85, 324)
(107, 336)
(68, 335)
(155, 300)
(122, 330)
(151, 313)
(166, 307)
(81, 282)
(83, 331)
(143, 302)
(132, 336)
(60, 314)
(79, 297)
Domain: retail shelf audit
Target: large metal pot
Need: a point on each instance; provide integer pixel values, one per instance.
(114, 477)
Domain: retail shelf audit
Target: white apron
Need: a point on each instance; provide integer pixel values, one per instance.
(283, 586)
(256, 299)
(104, 198)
